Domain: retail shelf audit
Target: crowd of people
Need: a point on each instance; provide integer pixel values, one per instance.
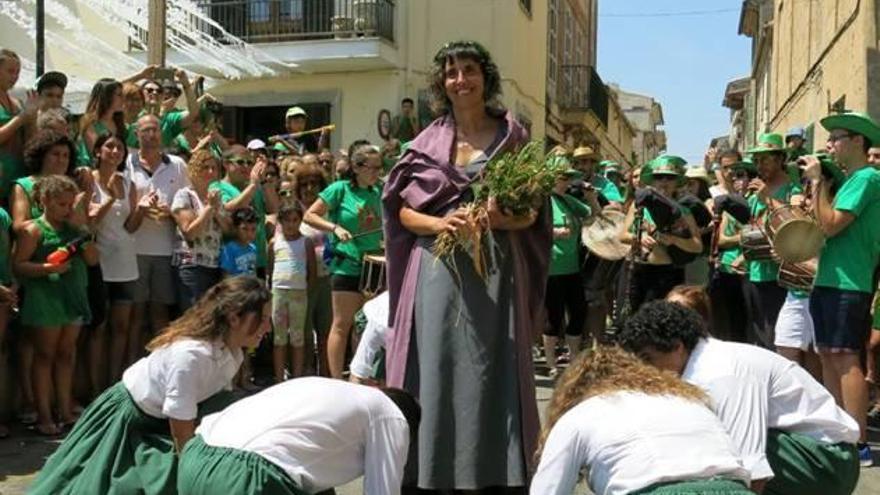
(156, 272)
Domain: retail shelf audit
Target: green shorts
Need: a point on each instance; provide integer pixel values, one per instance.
(715, 486)
(804, 466)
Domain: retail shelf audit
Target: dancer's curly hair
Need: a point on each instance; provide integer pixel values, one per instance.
(39, 146)
(606, 370)
(207, 319)
(662, 325)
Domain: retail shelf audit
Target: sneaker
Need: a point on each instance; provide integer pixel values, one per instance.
(866, 459)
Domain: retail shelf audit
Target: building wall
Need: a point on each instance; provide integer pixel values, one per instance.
(822, 51)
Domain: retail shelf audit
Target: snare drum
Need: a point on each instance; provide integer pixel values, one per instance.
(797, 276)
(372, 275)
(795, 236)
(755, 245)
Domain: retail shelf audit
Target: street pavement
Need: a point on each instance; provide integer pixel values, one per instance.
(23, 453)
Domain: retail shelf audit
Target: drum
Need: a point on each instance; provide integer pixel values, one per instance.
(602, 237)
(755, 245)
(797, 276)
(372, 275)
(795, 235)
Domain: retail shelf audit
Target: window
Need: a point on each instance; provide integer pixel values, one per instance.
(526, 6)
(552, 47)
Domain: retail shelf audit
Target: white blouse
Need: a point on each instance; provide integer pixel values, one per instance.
(753, 390)
(323, 433)
(627, 441)
(172, 380)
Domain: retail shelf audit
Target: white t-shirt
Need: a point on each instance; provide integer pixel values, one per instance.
(172, 380)
(116, 246)
(323, 433)
(628, 441)
(753, 390)
(376, 310)
(157, 238)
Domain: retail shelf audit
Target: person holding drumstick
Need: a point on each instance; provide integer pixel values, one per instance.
(354, 217)
(771, 189)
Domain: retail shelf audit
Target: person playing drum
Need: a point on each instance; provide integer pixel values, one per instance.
(354, 210)
(841, 299)
(564, 294)
(586, 160)
(773, 188)
(653, 276)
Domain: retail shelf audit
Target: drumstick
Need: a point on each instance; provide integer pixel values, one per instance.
(368, 232)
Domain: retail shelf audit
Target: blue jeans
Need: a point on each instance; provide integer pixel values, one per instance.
(194, 282)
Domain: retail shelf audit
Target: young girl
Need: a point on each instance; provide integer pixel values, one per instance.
(104, 115)
(57, 303)
(126, 440)
(113, 214)
(597, 421)
(292, 268)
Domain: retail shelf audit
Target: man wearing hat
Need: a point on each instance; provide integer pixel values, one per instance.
(656, 274)
(160, 98)
(586, 160)
(794, 144)
(771, 189)
(841, 300)
(295, 120)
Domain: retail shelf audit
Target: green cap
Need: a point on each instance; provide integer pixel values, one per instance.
(768, 143)
(857, 122)
(664, 165)
(747, 165)
(280, 147)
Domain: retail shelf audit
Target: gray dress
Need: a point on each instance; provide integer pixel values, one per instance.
(463, 363)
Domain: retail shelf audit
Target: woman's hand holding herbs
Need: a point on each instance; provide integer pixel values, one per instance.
(453, 221)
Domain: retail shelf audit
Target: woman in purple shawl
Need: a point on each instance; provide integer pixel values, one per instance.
(460, 343)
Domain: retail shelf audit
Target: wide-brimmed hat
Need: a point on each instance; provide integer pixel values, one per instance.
(585, 152)
(768, 143)
(257, 144)
(664, 165)
(697, 172)
(857, 122)
(295, 112)
(51, 78)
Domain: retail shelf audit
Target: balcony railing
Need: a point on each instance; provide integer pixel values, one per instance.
(268, 21)
(582, 89)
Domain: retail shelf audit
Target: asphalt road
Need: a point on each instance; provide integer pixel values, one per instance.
(23, 453)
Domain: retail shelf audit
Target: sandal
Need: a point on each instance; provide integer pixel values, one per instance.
(47, 430)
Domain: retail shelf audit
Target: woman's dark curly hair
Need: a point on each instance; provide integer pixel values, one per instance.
(457, 50)
(39, 145)
(662, 325)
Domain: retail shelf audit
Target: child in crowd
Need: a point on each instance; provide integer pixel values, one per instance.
(292, 266)
(57, 302)
(128, 439)
(238, 256)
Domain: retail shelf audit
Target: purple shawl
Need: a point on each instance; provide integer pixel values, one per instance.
(427, 180)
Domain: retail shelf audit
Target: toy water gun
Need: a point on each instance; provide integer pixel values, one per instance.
(65, 252)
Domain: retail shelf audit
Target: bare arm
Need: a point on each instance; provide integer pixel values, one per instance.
(90, 253)
(25, 245)
(181, 431)
(27, 114)
(724, 241)
(192, 103)
(21, 208)
(830, 220)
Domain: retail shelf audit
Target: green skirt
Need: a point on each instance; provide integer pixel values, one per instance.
(715, 486)
(806, 466)
(115, 448)
(207, 470)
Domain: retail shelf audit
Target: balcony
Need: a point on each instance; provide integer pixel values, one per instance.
(581, 91)
(273, 21)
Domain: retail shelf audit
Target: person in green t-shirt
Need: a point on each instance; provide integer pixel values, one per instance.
(246, 184)
(841, 300)
(565, 294)
(350, 209)
(587, 161)
(771, 189)
(405, 127)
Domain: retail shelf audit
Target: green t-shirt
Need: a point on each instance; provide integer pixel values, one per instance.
(131, 139)
(567, 212)
(727, 257)
(357, 210)
(847, 260)
(768, 271)
(5, 248)
(83, 153)
(228, 192)
(607, 189)
(11, 162)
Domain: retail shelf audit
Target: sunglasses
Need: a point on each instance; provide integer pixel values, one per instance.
(152, 91)
(284, 193)
(246, 162)
(325, 162)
